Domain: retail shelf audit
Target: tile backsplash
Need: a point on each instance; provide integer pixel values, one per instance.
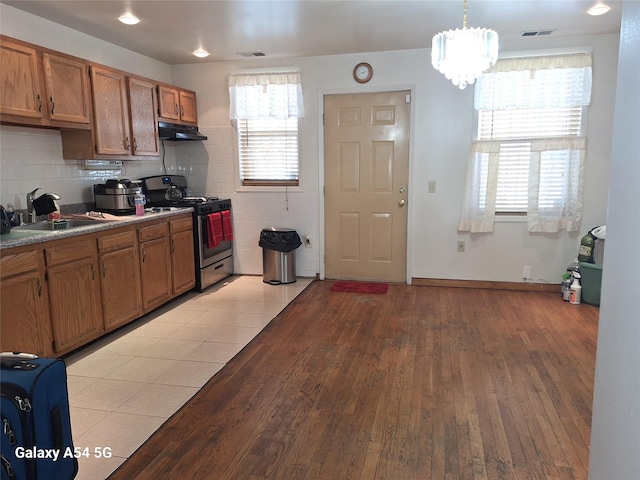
(32, 158)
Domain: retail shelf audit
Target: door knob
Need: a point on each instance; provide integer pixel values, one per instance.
(401, 203)
(403, 189)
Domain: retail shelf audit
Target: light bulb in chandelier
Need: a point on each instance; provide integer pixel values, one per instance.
(462, 55)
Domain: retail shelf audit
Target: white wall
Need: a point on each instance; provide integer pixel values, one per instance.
(615, 433)
(440, 141)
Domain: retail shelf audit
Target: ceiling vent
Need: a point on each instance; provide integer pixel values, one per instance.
(251, 54)
(536, 33)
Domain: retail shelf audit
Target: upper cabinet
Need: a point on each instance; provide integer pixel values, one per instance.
(125, 122)
(102, 113)
(111, 111)
(41, 88)
(67, 87)
(176, 105)
(144, 123)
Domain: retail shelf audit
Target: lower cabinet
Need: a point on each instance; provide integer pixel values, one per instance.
(155, 265)
(182, 259)
(119, 278)
(24, 305)
(59, 295)
(74, 294)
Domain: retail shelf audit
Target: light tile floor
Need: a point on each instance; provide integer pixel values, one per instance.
(123, 387)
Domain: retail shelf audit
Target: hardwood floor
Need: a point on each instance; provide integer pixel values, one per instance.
(419, 383)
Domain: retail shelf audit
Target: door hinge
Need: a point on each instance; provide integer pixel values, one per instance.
(323, 118)
(53, 346)
(46, 276)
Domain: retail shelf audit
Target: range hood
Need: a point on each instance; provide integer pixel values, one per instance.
(176, 133)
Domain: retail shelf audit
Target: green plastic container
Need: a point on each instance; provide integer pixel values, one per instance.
(591, 282)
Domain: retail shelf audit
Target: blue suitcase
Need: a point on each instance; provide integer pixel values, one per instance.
(36, 427)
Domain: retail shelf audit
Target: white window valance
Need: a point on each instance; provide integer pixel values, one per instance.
(265, 95)
(556, 81)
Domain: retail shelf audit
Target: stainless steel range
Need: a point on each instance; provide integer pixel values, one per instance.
(212, 225)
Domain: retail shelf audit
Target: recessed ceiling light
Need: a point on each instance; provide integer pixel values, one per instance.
(129, 19)
(598, 9)
(201, 53)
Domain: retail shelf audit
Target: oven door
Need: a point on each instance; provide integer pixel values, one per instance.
(209, 256)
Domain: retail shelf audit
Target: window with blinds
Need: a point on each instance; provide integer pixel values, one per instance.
(268, 151)
(516, 108)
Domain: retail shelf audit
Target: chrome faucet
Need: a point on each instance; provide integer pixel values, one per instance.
(31, 213)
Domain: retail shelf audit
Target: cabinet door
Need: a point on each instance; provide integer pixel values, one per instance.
(120, 286)
(155, 272)
(168, 103)
(188, 110)
(182, 262)
(20, 77)
(144, 123)
(111, 112)
(25, 322)
(67, 89)
(76, 313)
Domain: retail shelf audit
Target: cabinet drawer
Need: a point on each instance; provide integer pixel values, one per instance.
(116, 241)
(153, 231)
(180, 225)
(16, 263)
(72, 250)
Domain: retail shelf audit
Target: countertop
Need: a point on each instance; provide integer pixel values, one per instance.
(18, 237)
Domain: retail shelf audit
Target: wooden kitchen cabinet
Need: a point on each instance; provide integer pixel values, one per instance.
(67, 86)
(155, 265)
(125, 121)
(42, 88)
(111, 112)
(74, 293)
(176, 105)
(182, 255)
(144, 122)
(119, 278)
(20, 94)
(24, 302)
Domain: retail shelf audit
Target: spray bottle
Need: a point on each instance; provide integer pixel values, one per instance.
(576, 290)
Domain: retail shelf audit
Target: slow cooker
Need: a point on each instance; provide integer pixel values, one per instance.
(116, 196)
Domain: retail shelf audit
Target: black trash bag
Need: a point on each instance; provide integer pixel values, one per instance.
(279, 240)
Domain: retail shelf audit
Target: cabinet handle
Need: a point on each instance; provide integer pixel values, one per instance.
(53, 106)
(93, 272)
(39, 103)
(175, 110)
(182, 111)
(127, 145)
(144, 255)
(173, 246)
(104, 270)
(39, 287)
(135, 145)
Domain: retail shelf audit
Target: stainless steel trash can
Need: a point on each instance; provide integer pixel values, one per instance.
(278, 255)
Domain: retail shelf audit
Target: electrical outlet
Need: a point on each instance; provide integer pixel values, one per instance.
(527, 272)
(461, 246)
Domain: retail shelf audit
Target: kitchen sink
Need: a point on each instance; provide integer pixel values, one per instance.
(62, 225)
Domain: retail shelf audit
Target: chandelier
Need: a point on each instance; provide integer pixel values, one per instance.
(463, 54)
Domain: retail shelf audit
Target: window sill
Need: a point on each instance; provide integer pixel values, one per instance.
(511, 219)
(272, 189)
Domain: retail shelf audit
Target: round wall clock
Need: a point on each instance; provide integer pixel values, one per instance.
(362, 72)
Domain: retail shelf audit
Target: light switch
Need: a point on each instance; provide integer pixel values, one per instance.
(432, 187)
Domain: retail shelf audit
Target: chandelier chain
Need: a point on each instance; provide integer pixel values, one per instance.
(464, 19)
